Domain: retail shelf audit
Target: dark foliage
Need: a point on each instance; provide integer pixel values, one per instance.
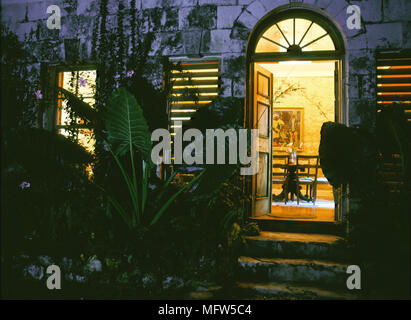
(379, 219)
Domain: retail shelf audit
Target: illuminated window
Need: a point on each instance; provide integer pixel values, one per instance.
(193, 84)
(295, 35)
(81, 83)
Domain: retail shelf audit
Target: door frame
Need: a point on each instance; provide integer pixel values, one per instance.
(341, 76)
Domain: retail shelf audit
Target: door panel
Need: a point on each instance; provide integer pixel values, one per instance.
(262, 99)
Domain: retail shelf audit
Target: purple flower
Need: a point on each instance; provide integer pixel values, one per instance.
(130, 73)
(24, 185)
(82, 82)
(220, 246)
(39, 95)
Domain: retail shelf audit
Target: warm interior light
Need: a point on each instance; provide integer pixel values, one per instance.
(391, 93)
(191, 102)
(180, 118)
(394, 84)
(200, 86)
(395, 76)
(295, 62)
(194, 71)
(183, 110)
(194, 78)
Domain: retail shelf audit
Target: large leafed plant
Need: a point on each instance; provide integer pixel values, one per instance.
(128, 135)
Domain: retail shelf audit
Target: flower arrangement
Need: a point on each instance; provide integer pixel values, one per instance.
(292, 150)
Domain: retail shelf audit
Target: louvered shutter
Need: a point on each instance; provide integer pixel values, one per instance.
(193, 84)
(394, 80)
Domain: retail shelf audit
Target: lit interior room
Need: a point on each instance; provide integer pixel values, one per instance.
(303, 99)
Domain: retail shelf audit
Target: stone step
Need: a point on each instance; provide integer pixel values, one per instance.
(302, 271)
(267, 223)
(296, 245)
(274, 290)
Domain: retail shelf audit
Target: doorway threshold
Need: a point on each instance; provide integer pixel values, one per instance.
(270, 223)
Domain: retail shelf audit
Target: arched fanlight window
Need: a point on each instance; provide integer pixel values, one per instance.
(295, 35)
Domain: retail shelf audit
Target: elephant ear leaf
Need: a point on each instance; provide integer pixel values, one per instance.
(126, 126)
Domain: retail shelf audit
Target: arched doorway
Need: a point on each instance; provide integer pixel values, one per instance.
(303, 51)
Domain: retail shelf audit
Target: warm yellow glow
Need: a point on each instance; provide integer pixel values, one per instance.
(191, 102)
(391, 93)
(180, 118)
(394, 84)
(196, 86)
(183, 110)
(194, 71)
(393, 102)
(208, 94)
(301, 32)
(395, 76)
(83, 84)
(194, 78)
(295, 62)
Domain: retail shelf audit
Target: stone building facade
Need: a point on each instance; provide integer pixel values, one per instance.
(115, 35)
(197, 28)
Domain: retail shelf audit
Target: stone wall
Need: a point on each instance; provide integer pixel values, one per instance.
(197, 28)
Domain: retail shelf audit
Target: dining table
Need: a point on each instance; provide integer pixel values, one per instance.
(290, 185)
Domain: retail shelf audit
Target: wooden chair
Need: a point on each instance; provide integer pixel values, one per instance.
(280, 165)
(307, 174)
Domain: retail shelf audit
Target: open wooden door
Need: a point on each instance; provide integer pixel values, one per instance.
(262, 105)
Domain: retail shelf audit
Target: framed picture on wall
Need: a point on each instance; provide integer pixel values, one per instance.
(288, 124)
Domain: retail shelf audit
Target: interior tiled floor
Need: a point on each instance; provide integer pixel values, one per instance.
(323, 210)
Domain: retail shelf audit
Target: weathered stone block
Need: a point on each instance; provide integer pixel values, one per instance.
(272, 4)
(203, 17)
(191, 41)
(239, 31)
(87, 7)
(171, 43)
(396, 10)
(38, 10)
(182, 17)
(24, 30)
(180, 3)
(385, 35)
(336, 7)
(247, 19)
(359, 41)
(13, 12)
(323, 4)
(221, 42)
(407, 34)
(226, 87)
(244, 2)
(218, 2)
(257, 9)
(226, 15)
(149, 4)
(371, 10)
